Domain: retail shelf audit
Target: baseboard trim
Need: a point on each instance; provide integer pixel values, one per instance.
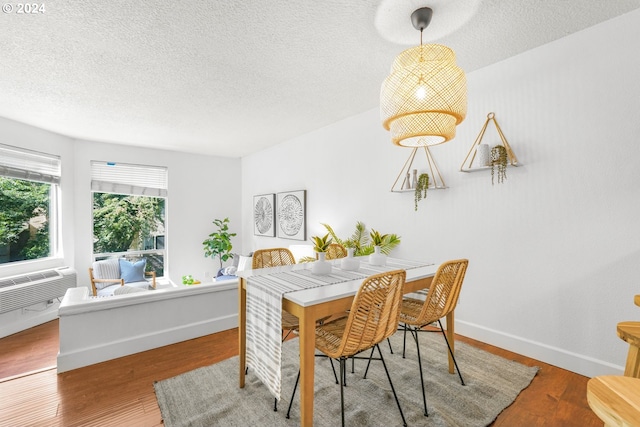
(51, 313)
(136, 344)
(570, 361)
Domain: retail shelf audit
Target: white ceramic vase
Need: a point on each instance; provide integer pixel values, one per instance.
(377, 257)
(321, 267)
(350, 262)
(484, 155)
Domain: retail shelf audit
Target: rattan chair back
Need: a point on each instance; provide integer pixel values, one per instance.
(373, 316)
(277, 257)
(272, 257)
(444, 291)
(335, 251)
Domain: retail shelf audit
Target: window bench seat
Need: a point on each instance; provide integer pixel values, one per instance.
(96, 329)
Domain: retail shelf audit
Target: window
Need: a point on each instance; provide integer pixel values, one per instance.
(129, 212)
(29, 193)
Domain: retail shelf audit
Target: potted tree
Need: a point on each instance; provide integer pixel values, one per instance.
(218, 245)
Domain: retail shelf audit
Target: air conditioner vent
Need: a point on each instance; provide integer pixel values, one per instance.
(22, 291)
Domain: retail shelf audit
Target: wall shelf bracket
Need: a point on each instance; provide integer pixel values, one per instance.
(402, 183)
(471, 156)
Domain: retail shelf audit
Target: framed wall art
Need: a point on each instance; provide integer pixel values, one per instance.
(264, 215)
(292, 215)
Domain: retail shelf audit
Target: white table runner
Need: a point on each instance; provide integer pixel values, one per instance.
(264, 311)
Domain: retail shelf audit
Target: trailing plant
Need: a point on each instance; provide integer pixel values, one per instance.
(499, 162)
(421, 188)
(360, 240)
(218, 245)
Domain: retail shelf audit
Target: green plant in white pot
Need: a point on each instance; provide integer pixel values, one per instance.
(378, 240)
(359, 240)
(218, 245)
(320, 245)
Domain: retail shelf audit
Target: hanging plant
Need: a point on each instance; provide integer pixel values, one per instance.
(421, 188)
(499, 161)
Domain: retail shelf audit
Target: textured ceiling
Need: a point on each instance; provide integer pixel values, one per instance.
(230, 78)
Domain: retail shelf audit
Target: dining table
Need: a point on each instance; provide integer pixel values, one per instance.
(317, 302)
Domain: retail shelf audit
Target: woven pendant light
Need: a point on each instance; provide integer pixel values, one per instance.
(425, 96)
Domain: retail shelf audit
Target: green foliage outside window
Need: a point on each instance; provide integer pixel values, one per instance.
(24, 219)
(122, 222)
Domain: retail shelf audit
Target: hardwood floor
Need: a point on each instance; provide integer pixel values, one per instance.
(120, 392)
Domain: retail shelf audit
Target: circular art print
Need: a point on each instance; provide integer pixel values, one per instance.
(291, 215)
(263, 215)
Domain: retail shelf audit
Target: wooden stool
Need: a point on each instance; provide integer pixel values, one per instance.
(630, 332)
(615, 399)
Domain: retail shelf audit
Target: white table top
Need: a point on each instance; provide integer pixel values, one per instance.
(322, 294)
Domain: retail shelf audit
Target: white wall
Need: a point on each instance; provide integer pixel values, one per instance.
(28, 137)
(554, 251)
(201, 188)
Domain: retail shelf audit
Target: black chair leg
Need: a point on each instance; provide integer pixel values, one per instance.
(334, 370)
(451, 352)
(390, 348)
(404, 340)
(293, 395)
(414, 332)
(368, 363)
(342, 373)
(404, 422)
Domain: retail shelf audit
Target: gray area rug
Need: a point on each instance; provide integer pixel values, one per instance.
(210, 396)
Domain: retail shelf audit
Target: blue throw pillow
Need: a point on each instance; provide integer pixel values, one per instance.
(132, 272)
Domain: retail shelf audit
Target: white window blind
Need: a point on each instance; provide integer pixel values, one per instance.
(124, 178)
(29, 165)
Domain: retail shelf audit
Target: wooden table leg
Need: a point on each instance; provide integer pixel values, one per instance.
(632, 368)
(450, 337)
(242, 328)
(307, 362)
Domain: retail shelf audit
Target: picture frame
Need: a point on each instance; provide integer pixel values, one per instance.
(292, 215)
(264, 215)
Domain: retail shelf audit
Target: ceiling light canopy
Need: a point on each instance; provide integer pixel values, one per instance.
(425, 96)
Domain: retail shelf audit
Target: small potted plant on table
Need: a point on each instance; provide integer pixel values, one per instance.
(320, 245)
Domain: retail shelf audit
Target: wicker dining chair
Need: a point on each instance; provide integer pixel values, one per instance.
(276, 257)
(373, 317)
(441, 299)
(335, 251)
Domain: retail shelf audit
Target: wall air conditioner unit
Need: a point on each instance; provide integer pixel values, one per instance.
(28, 289)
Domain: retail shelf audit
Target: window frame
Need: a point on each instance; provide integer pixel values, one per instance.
(135, 180)
(35, 166)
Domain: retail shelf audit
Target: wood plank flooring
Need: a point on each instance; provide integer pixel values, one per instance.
(120, 392)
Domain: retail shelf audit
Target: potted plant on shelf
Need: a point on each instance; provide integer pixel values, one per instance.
(421, 188)
(320, 246)
(499, 161)
(218, 245)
